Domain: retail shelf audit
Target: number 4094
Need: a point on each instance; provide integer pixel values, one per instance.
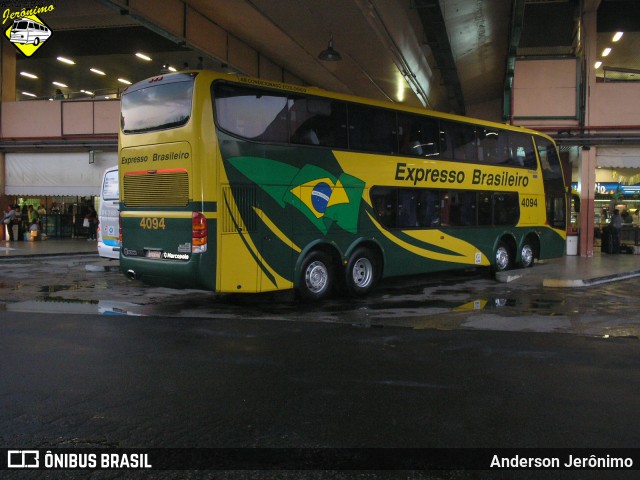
(152, 223)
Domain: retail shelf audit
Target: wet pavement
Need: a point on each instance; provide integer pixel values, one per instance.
(91, 359)
(87, 381)
(584, 296)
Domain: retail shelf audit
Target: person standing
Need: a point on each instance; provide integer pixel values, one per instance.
(91, 219)
(34, 218)
(7, 222)
(616, 226)
(17, 223)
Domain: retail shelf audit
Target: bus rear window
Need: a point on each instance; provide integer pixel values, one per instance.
(158, 107)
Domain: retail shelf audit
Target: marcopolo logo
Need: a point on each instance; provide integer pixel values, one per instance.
(25, 30)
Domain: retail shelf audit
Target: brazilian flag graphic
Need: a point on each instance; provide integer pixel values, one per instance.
(323, 198)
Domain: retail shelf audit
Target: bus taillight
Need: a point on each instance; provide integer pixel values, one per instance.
(199, 233)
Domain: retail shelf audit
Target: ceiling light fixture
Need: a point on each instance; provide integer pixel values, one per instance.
(99, 72)
(87, 92)
(66, 60)
(28, 75)
(617, 36)
(606, 51)
(28, 94)
(598, 64)
(125, 81)
(58, 84)
(330, 55)
(172, 69)
(143, 56)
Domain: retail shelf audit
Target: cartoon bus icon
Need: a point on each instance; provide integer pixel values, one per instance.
(26, 30)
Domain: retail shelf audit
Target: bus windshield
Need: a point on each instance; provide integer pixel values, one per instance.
(158, 107)
(110, 190)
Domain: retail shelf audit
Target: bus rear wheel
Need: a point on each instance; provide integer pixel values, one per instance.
(361, 272)
(317, 276)
(503, 258)
(527, 255)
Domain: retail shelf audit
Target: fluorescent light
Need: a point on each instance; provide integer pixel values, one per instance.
(27, 74)
(143, 56)
(87, 92)
(617, 36)
(125, 81)
(28, 94)
(99, 72)
(598, 64)
(172, 69)
(58, 84)
(606, 52)
(66, 60)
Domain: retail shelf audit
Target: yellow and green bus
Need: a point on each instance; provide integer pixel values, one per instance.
(236, 184)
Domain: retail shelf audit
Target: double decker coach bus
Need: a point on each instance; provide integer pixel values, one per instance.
(235, 184)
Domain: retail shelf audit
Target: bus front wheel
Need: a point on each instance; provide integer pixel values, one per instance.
(317, 276)
(361, 272)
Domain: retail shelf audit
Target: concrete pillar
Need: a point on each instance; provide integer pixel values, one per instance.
(8, 66)
(7, 94)
(587, 168)
(587, 184)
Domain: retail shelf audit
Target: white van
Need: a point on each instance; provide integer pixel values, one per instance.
(108, 215)
(25, 30)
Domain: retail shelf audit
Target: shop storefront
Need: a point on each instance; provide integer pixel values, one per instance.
(59, 186)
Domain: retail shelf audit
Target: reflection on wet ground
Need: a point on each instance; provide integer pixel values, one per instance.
(469, 299)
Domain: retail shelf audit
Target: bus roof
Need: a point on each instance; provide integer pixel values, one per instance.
(316, 91)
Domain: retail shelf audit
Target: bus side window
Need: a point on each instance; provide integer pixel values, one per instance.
(556, 209)
(506, 208)
(318, 121)
(485, 208)
(385, 204)
(521, 152)
(463, 208)
(549, 159)
(372, 129)
(253, 114)
(428, 208)
(491, 146)
(419, 136)
(407, 208)
(461, 140)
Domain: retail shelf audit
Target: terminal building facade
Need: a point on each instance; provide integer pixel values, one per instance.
(58, 132)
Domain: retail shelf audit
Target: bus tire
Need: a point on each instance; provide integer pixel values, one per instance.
(527, 255)
(36, 42)
(316, 276)
(361, 272)
(503, 258)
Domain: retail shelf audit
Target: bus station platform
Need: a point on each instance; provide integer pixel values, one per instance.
(571, 271)
(49, 247)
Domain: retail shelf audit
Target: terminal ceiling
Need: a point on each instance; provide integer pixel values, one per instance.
(443, 54)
